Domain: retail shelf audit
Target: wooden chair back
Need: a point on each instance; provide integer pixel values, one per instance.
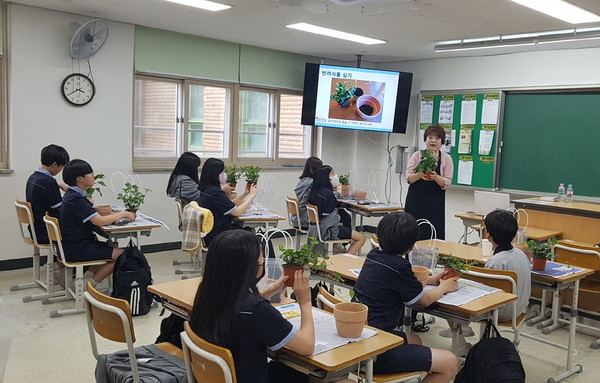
(179, 205)
(374, 241)
(25, 217)
(505, 280)
(578, 255)
(53, 228)
(292, 205)
(205, 361)
(326, 301)
(314, 218)
(110, 324)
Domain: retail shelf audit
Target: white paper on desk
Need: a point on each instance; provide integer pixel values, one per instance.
(486, 139)
(355, 271)
(467, 291)
(260, 214)
(465, 172)
(154, 220)
(426, 112)
(467, 115)
(326, 334)
(489, 113)
(139, 221)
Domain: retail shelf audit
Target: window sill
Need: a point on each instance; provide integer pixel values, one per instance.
(275, 168)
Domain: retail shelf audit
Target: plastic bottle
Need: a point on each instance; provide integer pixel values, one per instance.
(569, 193)
(561, 193)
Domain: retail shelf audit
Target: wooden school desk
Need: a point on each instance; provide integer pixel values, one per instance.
(260, 218)
(178, 297)
(458, 250)
(371, 210)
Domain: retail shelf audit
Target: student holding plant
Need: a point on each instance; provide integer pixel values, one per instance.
(429, 173)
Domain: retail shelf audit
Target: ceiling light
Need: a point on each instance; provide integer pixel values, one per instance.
(577, 34)
(202, 4)
(561, 10)
(335, 33)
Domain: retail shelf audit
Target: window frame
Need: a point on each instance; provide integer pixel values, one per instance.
(4, 147)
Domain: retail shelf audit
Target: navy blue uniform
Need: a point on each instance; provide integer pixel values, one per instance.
(79, 241)
(43, 193)
(325, 201)
(215, 200)
(385, 284)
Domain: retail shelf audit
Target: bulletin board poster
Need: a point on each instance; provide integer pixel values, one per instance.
(472, 122)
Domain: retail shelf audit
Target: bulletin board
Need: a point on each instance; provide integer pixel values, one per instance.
(472, 121)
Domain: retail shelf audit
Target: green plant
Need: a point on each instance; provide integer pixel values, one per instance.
(542, 249)
(132, 197)
(98, 180)
(305, 256)
(233, 173)
(427, 164)
(252, 173)
(455, 263)
(344, 91)
(345, 179)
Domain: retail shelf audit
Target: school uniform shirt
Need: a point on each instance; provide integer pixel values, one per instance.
(386, 283)
(215, 200)
(184, 188)
(302, 190)
(43, 193)
(325, 201)
(261, 326)
(511, 258)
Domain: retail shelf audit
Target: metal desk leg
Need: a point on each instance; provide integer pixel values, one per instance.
(369, 371)
(542, 315)
(465, 234)
(353, 220)
(552, 324)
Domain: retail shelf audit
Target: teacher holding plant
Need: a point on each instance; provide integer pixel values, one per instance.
(429, 173)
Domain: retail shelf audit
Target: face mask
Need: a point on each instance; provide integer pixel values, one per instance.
(335, 180)
(222, 178)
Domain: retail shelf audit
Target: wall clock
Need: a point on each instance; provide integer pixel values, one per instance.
(78, 89)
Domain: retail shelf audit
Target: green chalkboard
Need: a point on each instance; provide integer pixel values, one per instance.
(432, 107)
(551, 138)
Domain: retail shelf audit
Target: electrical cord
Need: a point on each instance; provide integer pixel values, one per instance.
(387, 190)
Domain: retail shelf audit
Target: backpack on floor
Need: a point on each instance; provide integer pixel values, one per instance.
(492, 360)
(131, 278)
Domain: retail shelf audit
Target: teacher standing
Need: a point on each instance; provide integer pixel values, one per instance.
(426, 196)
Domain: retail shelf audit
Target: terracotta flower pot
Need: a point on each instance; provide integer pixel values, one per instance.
(539, 264)
(290, 271)
(103, 209)
(421, 273)
(233, 185)
(345, 191)
(450, 273)
(360, 195)
(350, 319)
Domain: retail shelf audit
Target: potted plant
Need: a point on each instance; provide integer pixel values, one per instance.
(541, 252)
(89, 193)
(421, 273)
(427, 164)
(350, 318)
(252, 173)
(344, 92)
(132, 196)
(233, 174)
(298, 259)
(345, 182)
(454, 266)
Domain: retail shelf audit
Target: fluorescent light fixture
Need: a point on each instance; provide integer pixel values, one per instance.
(577, 34)
(561, 10)
(202, 4)
(335, 33)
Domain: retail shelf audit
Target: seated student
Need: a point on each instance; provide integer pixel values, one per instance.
(42, 190)
(321, 194)
(229, 311)
(183, 183)
(77, 220)
(213, 198)
(386, 283)
(303, 188)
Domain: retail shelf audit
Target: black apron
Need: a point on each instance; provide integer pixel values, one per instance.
(426, 199)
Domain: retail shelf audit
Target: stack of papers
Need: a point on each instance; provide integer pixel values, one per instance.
(467, 291)
(556, 270)
(259, 214)
(326, 335)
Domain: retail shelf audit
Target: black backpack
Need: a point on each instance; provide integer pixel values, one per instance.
(492, 360)
(131, 278)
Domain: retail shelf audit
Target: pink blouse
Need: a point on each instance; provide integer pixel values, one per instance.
(446, 167)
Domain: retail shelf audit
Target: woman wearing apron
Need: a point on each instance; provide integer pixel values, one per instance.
(427, 192)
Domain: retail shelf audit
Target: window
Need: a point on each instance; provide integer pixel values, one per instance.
(238, 124)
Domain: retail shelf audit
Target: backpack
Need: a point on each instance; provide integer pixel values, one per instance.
(131, 278)
(492, 360)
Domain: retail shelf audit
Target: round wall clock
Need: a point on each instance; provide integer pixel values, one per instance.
(78, 89)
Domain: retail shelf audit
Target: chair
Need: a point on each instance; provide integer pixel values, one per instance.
(313, 219)
(25, 218)
(75, 292)
(193, 239)
(374, 241)
(293, 210)
(326, 302)
(111, 319)
(505, 280)
(204, 361)
(179, 205)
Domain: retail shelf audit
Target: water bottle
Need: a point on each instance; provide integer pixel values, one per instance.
(561, 193)
(569, 193)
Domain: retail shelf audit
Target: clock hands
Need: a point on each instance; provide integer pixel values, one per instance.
(76, 90)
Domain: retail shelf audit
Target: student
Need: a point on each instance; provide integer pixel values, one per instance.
(213, 198)
(229, 311)
(321, 194)
(183, 183)
(77, 220)
(42, 190)
(303, 188)
(386, 283)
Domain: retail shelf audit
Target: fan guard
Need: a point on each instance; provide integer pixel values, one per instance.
(87, 38)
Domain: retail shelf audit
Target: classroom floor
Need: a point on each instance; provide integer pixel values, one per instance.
(58, 350)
